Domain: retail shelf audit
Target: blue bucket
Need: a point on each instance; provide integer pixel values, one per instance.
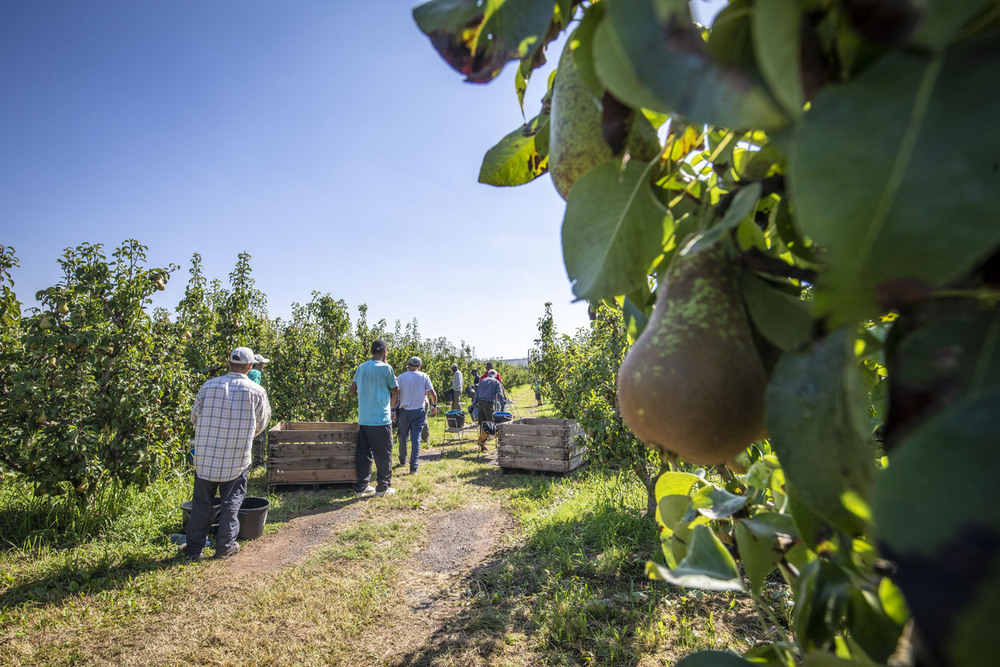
(456, 418)
(501, 417)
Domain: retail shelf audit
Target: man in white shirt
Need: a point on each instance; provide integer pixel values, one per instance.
(228, 413)
(414, 387)
(456, 387)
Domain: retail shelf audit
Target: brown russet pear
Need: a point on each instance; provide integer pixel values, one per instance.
(693, 384)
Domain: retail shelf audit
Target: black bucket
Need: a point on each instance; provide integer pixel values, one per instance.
(186, 511)
(456, 418)
(252, 516)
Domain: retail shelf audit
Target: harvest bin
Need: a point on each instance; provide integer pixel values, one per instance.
(549, 445)
(311, 453)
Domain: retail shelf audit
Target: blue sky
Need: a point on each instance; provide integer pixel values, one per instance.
(327, 139)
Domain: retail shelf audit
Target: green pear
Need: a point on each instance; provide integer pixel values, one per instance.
(576, 141)
(693, 384)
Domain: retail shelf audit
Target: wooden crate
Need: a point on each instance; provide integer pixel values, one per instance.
(550, 445)
(311, 453)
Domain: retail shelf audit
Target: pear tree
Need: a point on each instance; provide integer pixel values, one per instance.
(838, 159)
(99, 395)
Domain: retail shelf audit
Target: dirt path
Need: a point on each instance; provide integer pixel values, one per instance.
(431, 584)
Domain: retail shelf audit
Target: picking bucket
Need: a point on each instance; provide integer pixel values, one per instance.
(187, 505)
(501, 417)
(456, 418)
(252, 516)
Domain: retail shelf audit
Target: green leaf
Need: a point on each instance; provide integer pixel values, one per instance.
(648, 64)
(776, 30)
(875, 194)
(583, 53)
(815, 405)
(955, 495)
(821, 596)
(944, 18)
(612, 231)
(744, 203)
(962, 351)
(782, 318)
(757, 555)
(515, 160)
(478, 38)
(789, 233)
(715, 503)
(870, 626)
(713, 659)
(707, 565)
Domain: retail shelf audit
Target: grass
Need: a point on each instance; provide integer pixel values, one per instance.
(565, 586)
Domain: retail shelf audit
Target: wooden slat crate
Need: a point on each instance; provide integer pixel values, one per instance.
(311, 453)
(549, 445)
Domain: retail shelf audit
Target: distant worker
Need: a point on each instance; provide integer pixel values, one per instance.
(456, 387)
(488, 391)
(255, 374)
(415, 388)
(489, 367)
(538, 391)
(375, 386)
(227, 413)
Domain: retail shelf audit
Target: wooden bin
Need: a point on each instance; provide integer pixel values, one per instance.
(311, 453)
(550, 445)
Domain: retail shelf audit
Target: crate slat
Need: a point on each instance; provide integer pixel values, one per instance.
(552, 453)
(544, 465)
(305, 476)
(300, 449)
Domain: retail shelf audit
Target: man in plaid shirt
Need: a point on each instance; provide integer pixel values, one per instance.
(228, 413)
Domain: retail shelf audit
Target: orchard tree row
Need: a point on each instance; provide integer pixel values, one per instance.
(97, 387)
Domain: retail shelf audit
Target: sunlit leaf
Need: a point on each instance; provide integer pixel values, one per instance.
(612, 230)
(757, 555)
(707, 565)
(515, 160)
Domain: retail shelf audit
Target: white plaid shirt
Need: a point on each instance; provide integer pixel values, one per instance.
(228, 412)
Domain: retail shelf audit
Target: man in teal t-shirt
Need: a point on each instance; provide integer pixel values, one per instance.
(375, 386)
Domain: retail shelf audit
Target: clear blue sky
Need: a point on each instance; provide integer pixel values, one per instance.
(326, 138)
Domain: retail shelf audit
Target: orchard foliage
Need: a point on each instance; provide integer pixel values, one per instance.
(578, 375)
(845, 155)
(96, 391)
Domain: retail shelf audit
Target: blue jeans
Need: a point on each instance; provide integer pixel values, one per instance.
(232, 494)
(411, 423)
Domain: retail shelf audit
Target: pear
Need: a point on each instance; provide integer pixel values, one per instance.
(693, 384)
(576, 141)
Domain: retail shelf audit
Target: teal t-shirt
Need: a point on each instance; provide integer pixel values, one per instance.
(374, 380)
(254, 375)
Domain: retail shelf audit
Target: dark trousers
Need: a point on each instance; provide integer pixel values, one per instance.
(411, 426)
(374, 444)
(232, 494)
(485, 410)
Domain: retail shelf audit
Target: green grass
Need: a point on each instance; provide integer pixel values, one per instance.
(567, 585)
